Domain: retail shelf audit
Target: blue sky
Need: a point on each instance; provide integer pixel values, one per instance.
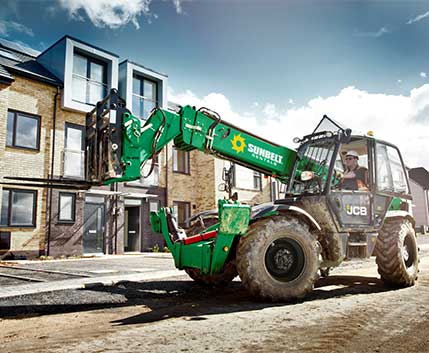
(261, 59)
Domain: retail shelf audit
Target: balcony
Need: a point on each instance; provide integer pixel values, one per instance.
(73, 164)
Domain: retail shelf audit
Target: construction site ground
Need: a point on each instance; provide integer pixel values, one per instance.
(140, 303)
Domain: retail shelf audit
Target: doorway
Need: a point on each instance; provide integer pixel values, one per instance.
(93, 235)
(132, 229)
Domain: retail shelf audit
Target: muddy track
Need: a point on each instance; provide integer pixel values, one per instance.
(351, 311)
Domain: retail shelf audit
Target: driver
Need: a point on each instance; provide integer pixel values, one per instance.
(355, 177)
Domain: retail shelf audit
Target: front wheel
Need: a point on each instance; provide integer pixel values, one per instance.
(278, 259)
(397, 253)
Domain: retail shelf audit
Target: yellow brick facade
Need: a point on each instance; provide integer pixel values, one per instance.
(34, 98)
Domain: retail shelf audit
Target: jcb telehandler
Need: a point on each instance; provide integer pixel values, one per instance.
(278, 249)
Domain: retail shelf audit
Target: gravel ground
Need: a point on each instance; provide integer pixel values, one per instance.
(350, 311)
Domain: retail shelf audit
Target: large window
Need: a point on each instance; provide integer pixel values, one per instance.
(154, 206)
(144, 96)
(18, 208)
(74, 156)
(23, 130)
(89, 79)
(181, 161)
(245, 178)
(182, 211)
(257, 181)
(66, 207)
(390, 172)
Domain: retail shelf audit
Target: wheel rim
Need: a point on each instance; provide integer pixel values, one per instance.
(409, 251)
(285, 259)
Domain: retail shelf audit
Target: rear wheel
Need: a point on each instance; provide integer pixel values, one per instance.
(278, 259)
(229, 272)
(397, 253)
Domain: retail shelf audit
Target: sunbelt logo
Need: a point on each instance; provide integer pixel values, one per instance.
(239, 145)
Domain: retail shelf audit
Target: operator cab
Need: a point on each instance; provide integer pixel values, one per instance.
(322, 175)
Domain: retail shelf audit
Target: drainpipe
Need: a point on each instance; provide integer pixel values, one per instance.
(51, 174)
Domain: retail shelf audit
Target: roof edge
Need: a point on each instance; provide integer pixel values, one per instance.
(66, 36)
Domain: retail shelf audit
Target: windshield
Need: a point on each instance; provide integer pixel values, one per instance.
(314, 157)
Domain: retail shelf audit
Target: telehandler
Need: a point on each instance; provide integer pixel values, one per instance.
(278, 249)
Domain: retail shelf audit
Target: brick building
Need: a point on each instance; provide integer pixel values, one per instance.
(419, 185)
(43, 101)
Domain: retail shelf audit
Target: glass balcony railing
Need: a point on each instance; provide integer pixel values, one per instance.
(142, 107)
(87, 91)
(73, 164)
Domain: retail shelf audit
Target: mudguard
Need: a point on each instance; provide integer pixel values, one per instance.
(400, 214)
(267, 209)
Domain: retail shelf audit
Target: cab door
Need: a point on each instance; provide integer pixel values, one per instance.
(353, 209)
(391, 182)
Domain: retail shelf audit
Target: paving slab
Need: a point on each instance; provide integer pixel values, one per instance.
(79, 283)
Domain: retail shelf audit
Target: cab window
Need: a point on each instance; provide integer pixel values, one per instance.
(390, 171)
(358, 147)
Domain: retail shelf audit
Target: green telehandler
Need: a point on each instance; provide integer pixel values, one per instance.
(278, 249)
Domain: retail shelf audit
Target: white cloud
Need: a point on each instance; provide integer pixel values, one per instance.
(402, 120)
(423, 74)
(291, 101)
(399, 81)
(379, 33)
(418, 18)
(113, 13)
(178, 5)
(10, 26)
(270, 111)
(107, 13)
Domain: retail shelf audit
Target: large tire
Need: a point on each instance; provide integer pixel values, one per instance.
(221, 279)
(278, 259)
(397, 253)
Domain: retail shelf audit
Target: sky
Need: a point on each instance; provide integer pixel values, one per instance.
(274, 67)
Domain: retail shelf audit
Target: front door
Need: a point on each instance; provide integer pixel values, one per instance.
(93, 236)
(132, 229)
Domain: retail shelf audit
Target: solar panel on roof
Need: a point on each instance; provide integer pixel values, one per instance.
(18, 47)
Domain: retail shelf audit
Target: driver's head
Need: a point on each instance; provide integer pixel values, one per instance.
(351, 160)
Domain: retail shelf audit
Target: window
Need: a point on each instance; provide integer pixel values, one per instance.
(74, 155)
(66, 207)
(89, 79)
(182, 211)
(23, 130)
(18, 208)
(181, 161)
(144, 96)
(154, 206)
(245, 178)
(257, 181)
(390, 172)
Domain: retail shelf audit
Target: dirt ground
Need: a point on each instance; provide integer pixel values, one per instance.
(350, 311)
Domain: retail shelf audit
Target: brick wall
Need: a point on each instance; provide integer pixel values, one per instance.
(34, 98)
